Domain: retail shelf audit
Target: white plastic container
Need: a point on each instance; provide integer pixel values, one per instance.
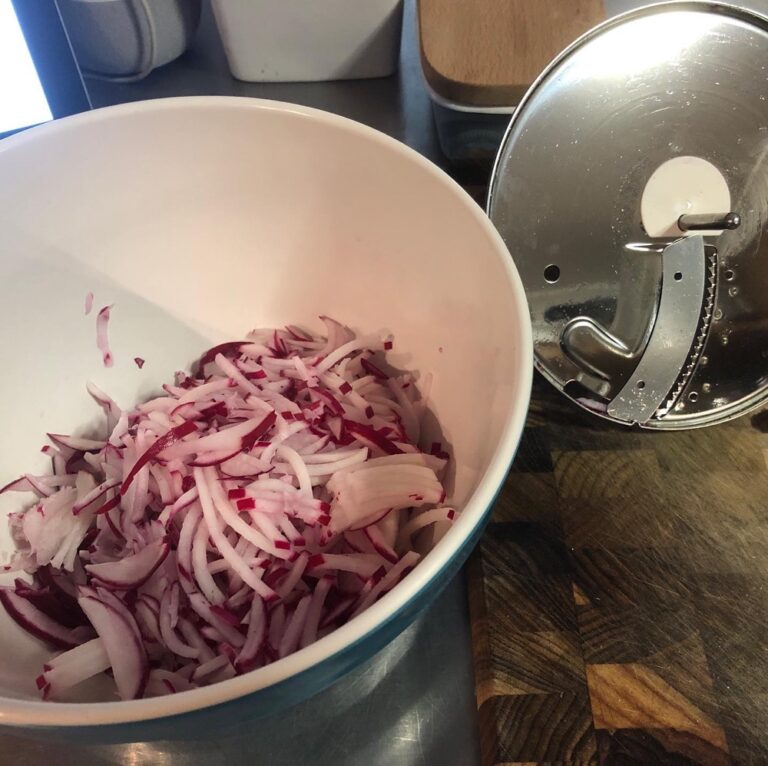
(310, 40)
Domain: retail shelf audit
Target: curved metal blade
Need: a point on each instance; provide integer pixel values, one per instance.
(674, 334)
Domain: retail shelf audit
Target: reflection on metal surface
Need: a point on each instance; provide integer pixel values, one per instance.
(685, 79)
(703, 222)
(663, 359)
(142, 753)
(645, 247)
(638, 381)
(632, 52)
(596, 350)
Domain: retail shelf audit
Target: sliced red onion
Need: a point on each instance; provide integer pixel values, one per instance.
(172, 437)
(298, 467)
(358, 541)
(52, 602)
(231, 370)
(42, 486)
(168, 634)
(295, 537)
(131, 571)
(328, 399)
(380, 545)
(358, 563)
(105, 402)
(337, 335)
(324, 468)
(214, 458)
(390, 579)
(102, 338)
(203, 608)
(95, 494)
(225, 349)
(88, 303)
(276, 626)
(207, 668)
(422, 520)
(226, 614)
(356, 344)
(203, 391)
(185, 500)
(120, 635)
(52, 531)
(19, 485)
(253, 534)
(289, 641)
(195, 640)
(243, 465)
(338, 612)
(118, 433)
(162, 682)
(76, 444)
(315, 611)
(370, 437)
(227, 551)
(254, 640)
(360, 494)
(61, 605)
(160, 475)
(111, 504)
(239, 517)
(200, 568)
(294, 576)
(148, 620)
(73, 667)
(184, 549)
(232, 439)
(372, 369)
(38, 624)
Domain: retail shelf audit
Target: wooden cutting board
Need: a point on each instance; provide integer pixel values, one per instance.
(619, 597)
(487, 52)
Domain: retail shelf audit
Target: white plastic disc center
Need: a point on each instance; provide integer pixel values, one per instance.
(679, 186)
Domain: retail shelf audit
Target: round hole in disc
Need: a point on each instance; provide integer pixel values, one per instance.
(678, 276)
(641, 384)
(552, 273)
(729, 275)
(693, 396)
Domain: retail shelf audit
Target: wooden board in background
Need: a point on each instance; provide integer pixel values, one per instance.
(487, 52)
(619, 597)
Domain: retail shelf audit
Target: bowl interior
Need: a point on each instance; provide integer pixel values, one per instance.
(199, 219)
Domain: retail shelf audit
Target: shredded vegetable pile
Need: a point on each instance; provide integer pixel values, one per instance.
(264, 500)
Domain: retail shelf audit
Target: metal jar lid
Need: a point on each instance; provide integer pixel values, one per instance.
(631, 189)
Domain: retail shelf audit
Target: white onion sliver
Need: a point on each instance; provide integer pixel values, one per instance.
(200, 568)
(102, 338)
(293, 629)
(202, 479)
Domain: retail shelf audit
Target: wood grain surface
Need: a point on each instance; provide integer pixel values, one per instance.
(619, 597)
(487, 52)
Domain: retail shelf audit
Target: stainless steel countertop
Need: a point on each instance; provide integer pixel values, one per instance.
(412, 704)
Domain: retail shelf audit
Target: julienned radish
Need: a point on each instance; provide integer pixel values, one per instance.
(268, 497)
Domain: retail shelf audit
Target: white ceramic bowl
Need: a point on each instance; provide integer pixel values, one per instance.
(199, 219)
